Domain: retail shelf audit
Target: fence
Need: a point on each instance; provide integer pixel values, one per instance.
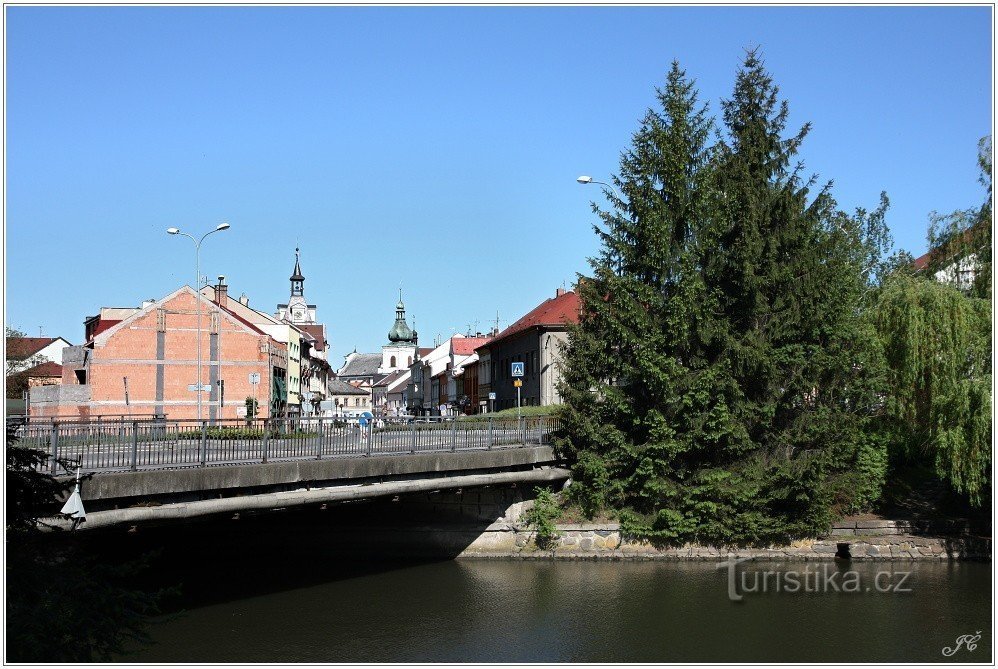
(124, 445)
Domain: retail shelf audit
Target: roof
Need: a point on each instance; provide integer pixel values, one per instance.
(48, 368)
(423, 352)
(467, 345)
(361, 364)
(21, 348)
(316, 331)
(337, 387)
(922, 261)
(389, 379)
(555, 311)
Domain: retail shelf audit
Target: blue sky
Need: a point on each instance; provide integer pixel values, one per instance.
(436, 147)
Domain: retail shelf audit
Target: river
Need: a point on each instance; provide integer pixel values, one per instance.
(542, 611)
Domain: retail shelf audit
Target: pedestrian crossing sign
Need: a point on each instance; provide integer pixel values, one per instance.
(517, 369)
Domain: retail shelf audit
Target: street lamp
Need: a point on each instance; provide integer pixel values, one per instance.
(197, 288)
(584, 180)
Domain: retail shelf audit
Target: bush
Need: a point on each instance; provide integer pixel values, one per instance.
(542, 516)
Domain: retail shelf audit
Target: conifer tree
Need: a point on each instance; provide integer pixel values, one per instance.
(720, 377)
(638, 304)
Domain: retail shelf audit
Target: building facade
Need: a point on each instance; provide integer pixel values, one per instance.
(534, 340)
(145, 365)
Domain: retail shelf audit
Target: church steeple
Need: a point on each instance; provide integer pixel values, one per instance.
(297, 280)
(400, 332)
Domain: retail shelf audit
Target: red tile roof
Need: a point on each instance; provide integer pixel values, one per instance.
(467, 345)
(316, 332)
(554, 311)
(104, 324)
(423, 352)
(48, 368)
(22, 348)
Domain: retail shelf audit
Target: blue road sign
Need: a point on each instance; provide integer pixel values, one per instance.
(365, 418)
(517, 369)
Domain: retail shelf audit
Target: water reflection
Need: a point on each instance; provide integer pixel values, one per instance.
(525, 611)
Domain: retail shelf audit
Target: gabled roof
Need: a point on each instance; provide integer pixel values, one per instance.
(389, 379)
(466, 345)
(338, 387)
(361, 364)
(22, 348)
(47, 368)
(315, 330)
(553, 312)
(106, 334)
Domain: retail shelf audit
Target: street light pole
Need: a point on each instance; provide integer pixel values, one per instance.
(197, 289)
(589, 180)
(584, 180)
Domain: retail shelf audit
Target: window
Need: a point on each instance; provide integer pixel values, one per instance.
(392, 362)
(410, 361)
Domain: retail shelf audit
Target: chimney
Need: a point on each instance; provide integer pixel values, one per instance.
(243, 300)
(146, 303)
(221, 291)
(559, 292)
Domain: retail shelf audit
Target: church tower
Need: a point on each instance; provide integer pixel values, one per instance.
(297, 311)
(401, 348)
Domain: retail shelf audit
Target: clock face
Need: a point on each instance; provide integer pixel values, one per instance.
(298, 313)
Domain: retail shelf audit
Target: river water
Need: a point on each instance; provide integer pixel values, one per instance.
(542, 611)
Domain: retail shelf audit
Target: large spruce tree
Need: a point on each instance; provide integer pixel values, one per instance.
(721, 375)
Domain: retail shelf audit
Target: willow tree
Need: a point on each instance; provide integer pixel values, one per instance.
(936, 335)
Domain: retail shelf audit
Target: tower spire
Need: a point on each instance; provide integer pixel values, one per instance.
(297, 279)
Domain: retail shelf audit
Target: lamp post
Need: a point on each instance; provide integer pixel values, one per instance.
(197, 289)
(585, 180)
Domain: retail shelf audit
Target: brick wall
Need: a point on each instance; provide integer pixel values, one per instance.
(157, 352)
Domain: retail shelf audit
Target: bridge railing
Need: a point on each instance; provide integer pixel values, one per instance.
(123, 445)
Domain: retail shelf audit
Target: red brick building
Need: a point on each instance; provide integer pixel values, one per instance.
(151, 353)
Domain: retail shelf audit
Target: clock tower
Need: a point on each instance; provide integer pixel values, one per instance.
(297, 311)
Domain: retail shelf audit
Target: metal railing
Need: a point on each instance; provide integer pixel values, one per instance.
(123, 445)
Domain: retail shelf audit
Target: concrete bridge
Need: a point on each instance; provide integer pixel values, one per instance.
(151, 472)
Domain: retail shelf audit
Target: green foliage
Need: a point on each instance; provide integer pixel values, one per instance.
(960, 242)
(937, 343)
(63, 605)
(542, 516)
(251, 408)
(721, 380)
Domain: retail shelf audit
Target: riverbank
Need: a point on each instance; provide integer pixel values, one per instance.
(854, 540)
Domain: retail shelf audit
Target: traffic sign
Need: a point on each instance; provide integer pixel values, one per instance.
(492, 396)
(194, 388)
(517, 369)
(254, 378)
(517, 383)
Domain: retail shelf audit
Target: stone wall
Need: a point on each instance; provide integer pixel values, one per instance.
(604, 541)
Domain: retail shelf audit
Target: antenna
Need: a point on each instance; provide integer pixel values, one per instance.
(40, 331)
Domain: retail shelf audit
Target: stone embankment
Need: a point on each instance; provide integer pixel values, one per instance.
(856, 540)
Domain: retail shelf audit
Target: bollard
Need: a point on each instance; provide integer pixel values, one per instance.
(318, 442)
(203, 450)
(54, 441)
(266, 441)
(135, 445)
